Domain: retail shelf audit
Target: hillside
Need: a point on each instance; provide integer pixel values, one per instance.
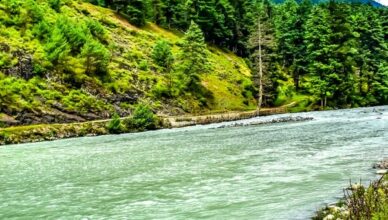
(371, 2)
(52, 57)
(70, 61)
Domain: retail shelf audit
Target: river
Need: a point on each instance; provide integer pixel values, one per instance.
(273, 171)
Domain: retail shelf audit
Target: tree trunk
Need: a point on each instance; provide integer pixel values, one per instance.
(260, 101)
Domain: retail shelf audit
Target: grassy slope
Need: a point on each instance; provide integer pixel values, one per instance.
(131, 48)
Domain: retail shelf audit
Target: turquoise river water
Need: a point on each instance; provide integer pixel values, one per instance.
(273, 171)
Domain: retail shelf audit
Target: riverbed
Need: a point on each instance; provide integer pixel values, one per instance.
(217, 171)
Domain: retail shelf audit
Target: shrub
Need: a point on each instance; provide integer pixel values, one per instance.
(115, 126)
(143, 65)
(96, 57)
(161, 90)
(55, 4)
(162, 55)
(96, 29)
(142, 119)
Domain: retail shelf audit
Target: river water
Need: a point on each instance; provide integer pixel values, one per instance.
(276, 171)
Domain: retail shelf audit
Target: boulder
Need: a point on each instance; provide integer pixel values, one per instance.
(6, 119)
(381, 172)
(382, 165)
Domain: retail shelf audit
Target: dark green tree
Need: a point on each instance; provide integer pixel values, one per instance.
(194, 56)
(136, 11)
(96, 57)
(162, 55)
(317, 38)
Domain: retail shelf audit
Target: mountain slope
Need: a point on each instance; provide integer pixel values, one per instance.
(76, 62)
(371, 2)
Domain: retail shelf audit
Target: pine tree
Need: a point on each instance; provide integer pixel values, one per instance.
(244, 21)
(317, 38)
(379, 86)
(96, 57)
(162, 55)
(175, 12)
(158, 12)
(286, 31)
(194, 56)
(371, 50)
(300, 63)
(136, 11)
(344, 49)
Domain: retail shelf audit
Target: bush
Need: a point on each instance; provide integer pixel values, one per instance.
(143, 65)
(161, 90)
(142, 119)
(162, 55)
(55, 4)
(115, 126)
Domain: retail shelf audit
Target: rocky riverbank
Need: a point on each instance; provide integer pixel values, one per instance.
(361, 202)
(48, 132)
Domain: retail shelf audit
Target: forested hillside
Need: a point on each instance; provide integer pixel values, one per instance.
(73, 60)
(64, 61)
(333, 54)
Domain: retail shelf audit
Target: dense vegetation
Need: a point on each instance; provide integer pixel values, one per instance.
(68, 60)
(87, 61)
(335, 53)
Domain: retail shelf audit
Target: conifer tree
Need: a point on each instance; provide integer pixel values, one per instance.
(317, 37)
(194, 56)
(162, 55)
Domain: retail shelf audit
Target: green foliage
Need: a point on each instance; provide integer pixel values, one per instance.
(115, 126)
(143, 65)
(369, 202)
(136, 11)
(77, 101)
(331, 51)
(380, 85)
(85, 59)
(162, 55)
(96, 57)
(194, 55)
(96, 29)
(331, 55)
(56, 4)
(142, 119)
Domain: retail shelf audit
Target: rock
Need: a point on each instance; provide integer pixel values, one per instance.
(355, 186)
(383, 165)
(381, 172)
(8, 120)
(24, 68)
(329, 217)
(334, 209)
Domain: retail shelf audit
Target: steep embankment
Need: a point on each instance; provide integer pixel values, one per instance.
(77, 62)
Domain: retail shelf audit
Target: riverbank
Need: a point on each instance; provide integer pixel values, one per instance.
(49, 132)
(361, 202)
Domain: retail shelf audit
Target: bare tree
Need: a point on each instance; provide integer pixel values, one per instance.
(261, 43)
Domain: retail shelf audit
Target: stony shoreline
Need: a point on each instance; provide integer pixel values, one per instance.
(361, 202)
